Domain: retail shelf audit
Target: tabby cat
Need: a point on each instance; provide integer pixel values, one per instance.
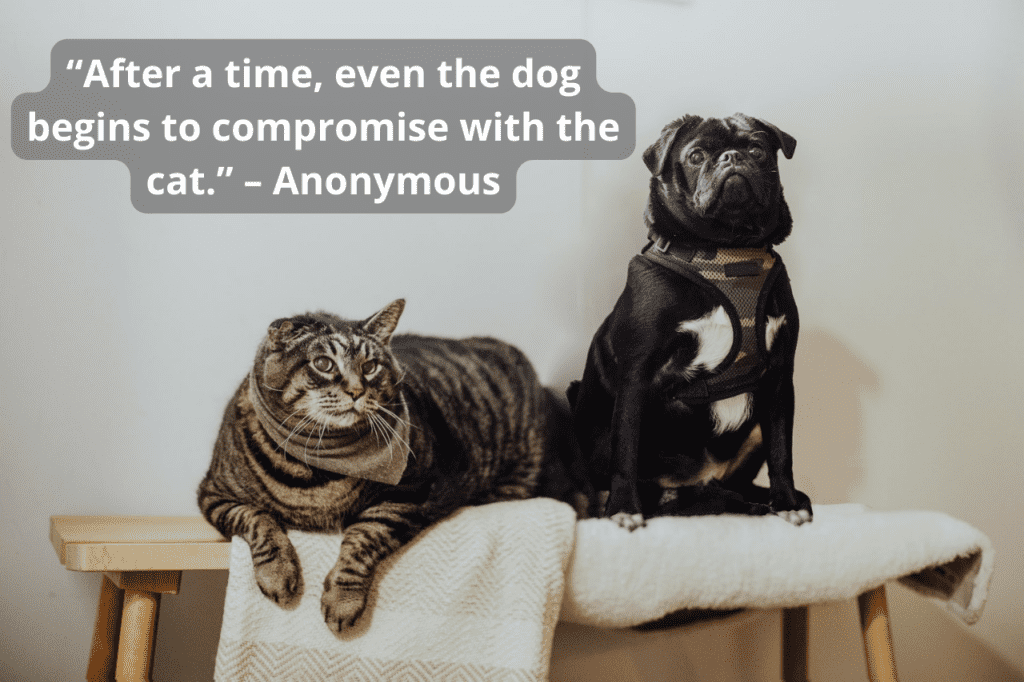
(340, 425)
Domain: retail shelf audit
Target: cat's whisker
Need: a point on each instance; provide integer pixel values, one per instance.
(323, 428)
(321, 424)
(395, 416)
(379, 427)
(394, 433)
(375, 426)
(385, 406)
(408, 448)
(379, 424)
(302, 422)
(305, 447)
(389, 439)
(283, 446)
(285, 420)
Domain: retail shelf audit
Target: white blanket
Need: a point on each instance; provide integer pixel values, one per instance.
(620, 579)
(476, 597)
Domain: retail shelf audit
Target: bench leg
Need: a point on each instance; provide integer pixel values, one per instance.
(138, 633)
(103, 653)
(874, 623)
(794, 644)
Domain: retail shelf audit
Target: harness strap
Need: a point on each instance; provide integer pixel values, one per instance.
(742, 277)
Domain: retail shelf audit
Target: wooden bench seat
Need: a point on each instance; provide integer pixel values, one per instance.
(138, 543)
(142, 558)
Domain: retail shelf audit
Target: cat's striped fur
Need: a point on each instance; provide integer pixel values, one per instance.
(471, 414)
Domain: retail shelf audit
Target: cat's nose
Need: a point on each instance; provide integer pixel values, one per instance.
(355, 392)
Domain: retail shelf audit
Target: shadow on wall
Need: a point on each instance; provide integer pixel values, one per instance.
(186, 644)
(830, 384)
(936, 647)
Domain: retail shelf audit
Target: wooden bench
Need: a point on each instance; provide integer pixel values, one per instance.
(142, 558)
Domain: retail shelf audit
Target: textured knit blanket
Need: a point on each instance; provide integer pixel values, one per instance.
(476, 597)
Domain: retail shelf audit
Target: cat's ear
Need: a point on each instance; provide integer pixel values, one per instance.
(278, 332)
(382, 325)
(274, 370)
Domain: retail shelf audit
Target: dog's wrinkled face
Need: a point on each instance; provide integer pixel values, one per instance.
(719, 179)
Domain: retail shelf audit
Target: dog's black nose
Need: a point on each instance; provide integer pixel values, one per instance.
(729, 156)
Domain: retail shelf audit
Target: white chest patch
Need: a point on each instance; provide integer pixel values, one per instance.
(731, 413)
(714, 340)
(714, 334)
(772, 328)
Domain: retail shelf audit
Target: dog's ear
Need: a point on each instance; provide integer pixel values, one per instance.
(786, 141)
(656, 155)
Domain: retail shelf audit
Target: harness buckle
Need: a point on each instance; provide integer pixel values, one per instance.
(662, 244)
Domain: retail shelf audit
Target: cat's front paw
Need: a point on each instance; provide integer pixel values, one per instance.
(279, 576)
(341, 606)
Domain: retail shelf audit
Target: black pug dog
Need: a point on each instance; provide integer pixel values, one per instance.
(688, 386)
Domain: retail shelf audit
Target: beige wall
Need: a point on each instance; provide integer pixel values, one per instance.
(122, 334)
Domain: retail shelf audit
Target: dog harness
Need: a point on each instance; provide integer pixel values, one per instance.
(742, 278)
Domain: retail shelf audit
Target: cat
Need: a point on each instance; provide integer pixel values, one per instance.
(341, 425)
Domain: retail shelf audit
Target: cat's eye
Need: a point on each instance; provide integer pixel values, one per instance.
(369, 367)
(696, 157)
(323, 363)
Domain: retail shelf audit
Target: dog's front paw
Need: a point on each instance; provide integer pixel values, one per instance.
(797, 517)
(629, 521)
(795, 509)
(623, 505)
(279, 576)
(341, 606)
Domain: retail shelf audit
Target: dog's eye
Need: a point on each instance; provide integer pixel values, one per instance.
(323, 363)
(697, 157)
(757, 152)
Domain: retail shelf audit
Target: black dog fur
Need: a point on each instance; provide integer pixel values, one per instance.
(666, 426)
